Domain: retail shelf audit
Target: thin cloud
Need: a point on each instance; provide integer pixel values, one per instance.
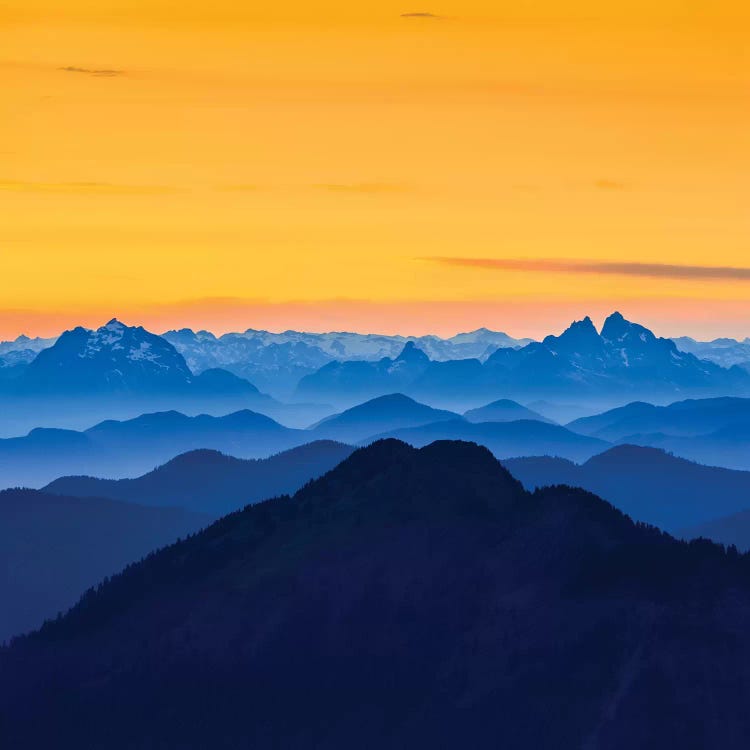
(421, 14)
(98, 72)
(88, 188)
(613, 268)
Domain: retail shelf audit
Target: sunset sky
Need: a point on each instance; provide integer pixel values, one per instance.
(377, 166)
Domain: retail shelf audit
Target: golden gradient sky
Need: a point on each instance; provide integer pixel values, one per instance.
(334, 164)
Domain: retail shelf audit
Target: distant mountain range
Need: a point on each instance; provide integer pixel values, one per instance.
(277, 361)
(122, 371)
(118, 449)
(182, 369)
(646, 483)
(212, 483)
(624, 358)
(682, 418)
(25, 343)
(724, 352)
(53, 548)
(120, 360)
(711, 431)
(408, 598)
(15, 356)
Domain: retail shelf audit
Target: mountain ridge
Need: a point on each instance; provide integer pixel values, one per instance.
(407, 597)
(647, 483)
(210, 482)
(624, 358)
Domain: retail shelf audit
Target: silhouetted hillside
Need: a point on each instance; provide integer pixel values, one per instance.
(647, 484)
(52, 548)
(213, 483)
(409, 598)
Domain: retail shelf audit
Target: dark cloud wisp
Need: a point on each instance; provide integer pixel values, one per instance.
(422, 14)
(613, 268)
(98, 72)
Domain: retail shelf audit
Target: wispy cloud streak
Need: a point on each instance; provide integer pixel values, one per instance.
(614, 268)
(98, 72)
(422, 14)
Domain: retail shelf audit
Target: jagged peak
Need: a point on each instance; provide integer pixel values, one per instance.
(579, 331)
(616, 327)
(114, 324)
(412, 353)
(582, 326)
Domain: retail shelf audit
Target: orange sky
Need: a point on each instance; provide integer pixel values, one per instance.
(338, 165)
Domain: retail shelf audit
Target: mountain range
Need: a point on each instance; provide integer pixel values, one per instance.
(123, 371)
(692, 417)
(623, 359)
(277, 361)
(646, 483)
(119, 449)
(119, 370)
(126, 448)
(210, 482)
(408, 598)
(710, 431)
(16, 355)
(725, 351)
(53, 548)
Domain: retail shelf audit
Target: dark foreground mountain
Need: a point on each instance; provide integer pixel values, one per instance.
(126, 448)
(409, 598)
(53, 548)
(646, 483)
(525, 437)
(211, 482)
